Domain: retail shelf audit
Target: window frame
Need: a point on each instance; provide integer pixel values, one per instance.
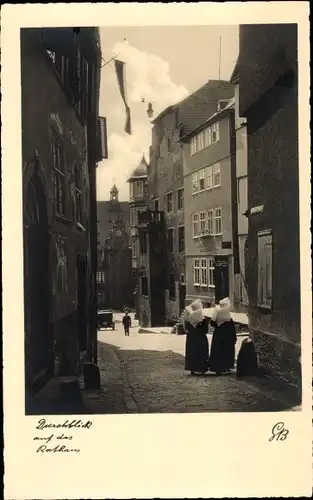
(211, 272)
(203, 272)
(195, 269)
(169, 196)
(201, 177)
(193, 145)
(143, 244)
(210, 221)
(265, 301)
(181, 249)
(180, 199)
(195, 221)
(220, 217)
(195, 184)
(216, 171)
(207, 136)
(202, 221)
(170, 247)
(216, 130)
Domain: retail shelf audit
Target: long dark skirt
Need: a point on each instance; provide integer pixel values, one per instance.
(222, 356)
(197, 352)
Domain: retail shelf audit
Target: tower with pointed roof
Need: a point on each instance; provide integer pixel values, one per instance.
(114, 193)
(138, 201)
(148, 250)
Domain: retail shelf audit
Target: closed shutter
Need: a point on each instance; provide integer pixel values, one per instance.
(102, 142)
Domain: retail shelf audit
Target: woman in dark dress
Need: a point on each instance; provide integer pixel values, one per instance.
(222, 356)
(197, 346)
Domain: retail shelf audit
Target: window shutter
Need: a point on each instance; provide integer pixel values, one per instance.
(102, 141)
(78, 86)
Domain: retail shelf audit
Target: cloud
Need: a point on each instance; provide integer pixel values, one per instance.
(148, 77)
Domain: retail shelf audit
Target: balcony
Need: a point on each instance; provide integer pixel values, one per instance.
(150, 218)
(205, 233)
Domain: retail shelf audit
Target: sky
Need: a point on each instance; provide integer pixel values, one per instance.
(163, 65)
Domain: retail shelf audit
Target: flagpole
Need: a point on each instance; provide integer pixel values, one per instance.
(219, 59)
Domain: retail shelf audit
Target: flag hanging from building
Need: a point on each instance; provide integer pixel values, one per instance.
(119, 69)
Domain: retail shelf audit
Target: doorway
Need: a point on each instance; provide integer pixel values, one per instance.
(221, 278)
(37, 293)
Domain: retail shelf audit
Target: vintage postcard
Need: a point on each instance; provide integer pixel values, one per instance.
(156, 250)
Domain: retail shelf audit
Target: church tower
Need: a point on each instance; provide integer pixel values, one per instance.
(114, 194)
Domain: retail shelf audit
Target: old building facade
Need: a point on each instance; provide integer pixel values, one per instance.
(138, 202)
(268, 82)
(209, 155)
(240, 281)
(166, 180)
(115, 282)
(60, 74)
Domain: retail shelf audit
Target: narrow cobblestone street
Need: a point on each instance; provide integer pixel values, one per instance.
(144, 373)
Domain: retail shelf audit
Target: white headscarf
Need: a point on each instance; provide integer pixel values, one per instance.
(193, 313)
(221, 313)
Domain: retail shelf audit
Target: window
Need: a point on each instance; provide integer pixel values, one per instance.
(218, 221)
(172, 287)
(169, 202)
(193, 145)
(156, 205)
(207, 137)
(196, 272)
(210, 222)
(180, 199)
(202, 222)
(168, 144)
(170, 240)
(215, 132)
(194, 183)
(59, 175)
(133, 216)
(77, 85)
(78, 192)
(209, 177)
(265, 257)
(100, 277)
(134, 249)
(195, 225)
(201, 180)
(200, 141)
(211, 266)
(204, 272)
(181, 239)
(143, 242)
(216, 175)
(139, 188)
(144, 285)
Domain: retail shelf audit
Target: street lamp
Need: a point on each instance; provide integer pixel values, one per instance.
(150, 110)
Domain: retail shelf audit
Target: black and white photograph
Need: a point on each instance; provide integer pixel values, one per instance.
(163, 184)
(161, 219)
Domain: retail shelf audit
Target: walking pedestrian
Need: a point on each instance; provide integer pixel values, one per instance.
(222, 356)
(126, 323)
(197, 346)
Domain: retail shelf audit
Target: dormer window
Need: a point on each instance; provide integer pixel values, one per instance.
(221, 104)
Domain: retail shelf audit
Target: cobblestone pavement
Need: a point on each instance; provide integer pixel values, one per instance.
(148, 371)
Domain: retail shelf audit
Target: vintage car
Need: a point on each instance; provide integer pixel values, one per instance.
(105, 319)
